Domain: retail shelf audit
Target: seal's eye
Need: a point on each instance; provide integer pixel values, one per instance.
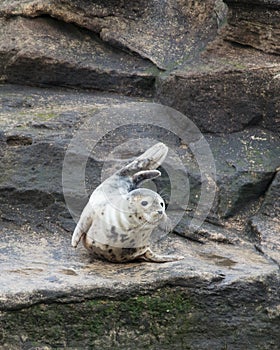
(161, 203)
(144, 203)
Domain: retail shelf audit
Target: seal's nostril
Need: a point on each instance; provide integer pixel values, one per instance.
(160, 211)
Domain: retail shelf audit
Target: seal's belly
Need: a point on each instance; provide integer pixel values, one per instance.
(113, 254)
(116, 227)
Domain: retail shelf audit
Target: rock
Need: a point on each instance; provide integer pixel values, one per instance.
(54, 296)
(245, 165)
(166, 33)
(44, 51)
(265, 225)
(36, 141)
(227, 90)
(37, 126)
(49, 124)
(242, 79)
(39, 137)
(229, 87)
(271, 204)
(255, 23)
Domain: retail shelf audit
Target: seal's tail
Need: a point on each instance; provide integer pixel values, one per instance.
(149, 160)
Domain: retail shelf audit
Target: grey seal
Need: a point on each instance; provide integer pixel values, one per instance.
(119, 218)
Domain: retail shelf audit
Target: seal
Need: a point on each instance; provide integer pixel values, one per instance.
(119, 218)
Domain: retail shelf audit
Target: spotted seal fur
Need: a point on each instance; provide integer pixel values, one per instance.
(119, 218)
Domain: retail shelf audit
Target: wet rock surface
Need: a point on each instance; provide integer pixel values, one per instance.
(225, 293)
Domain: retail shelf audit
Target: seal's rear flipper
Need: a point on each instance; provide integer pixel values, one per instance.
(149, 255)
(149, 160)
(143, 176)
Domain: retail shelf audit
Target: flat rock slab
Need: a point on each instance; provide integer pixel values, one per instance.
(42, 266)
(42, 276)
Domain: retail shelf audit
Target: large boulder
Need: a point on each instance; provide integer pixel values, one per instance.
(231, 85)
(123, 48)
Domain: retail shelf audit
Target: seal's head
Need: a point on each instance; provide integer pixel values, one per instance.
(146, 206)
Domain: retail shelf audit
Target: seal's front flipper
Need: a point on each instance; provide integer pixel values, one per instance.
(151, 159)
(83, 225)
(143, 176)
(153, 257)
(77, 235)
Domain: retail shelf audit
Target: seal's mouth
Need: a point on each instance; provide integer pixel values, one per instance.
(155, 217)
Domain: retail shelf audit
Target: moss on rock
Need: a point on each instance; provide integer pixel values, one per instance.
(161, 318)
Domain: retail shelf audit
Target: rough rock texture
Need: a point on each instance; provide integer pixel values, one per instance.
(166, 33)
(265, 225)
(246, 164)
(48, 52)
(230, 86)
(56, 145)
(255, 23)
(226, 90)
(54, 296)
(41, 130)
(236, 83)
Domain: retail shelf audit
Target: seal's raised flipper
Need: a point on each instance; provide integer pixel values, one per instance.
(143, 176)
(149, 160)
(149, 255)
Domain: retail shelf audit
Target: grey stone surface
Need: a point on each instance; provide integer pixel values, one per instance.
(246, 163)
(263, 3)
(227, 90)
(54, 296)
(237, 84)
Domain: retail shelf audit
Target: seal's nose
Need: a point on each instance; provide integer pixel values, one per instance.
(160, 212)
